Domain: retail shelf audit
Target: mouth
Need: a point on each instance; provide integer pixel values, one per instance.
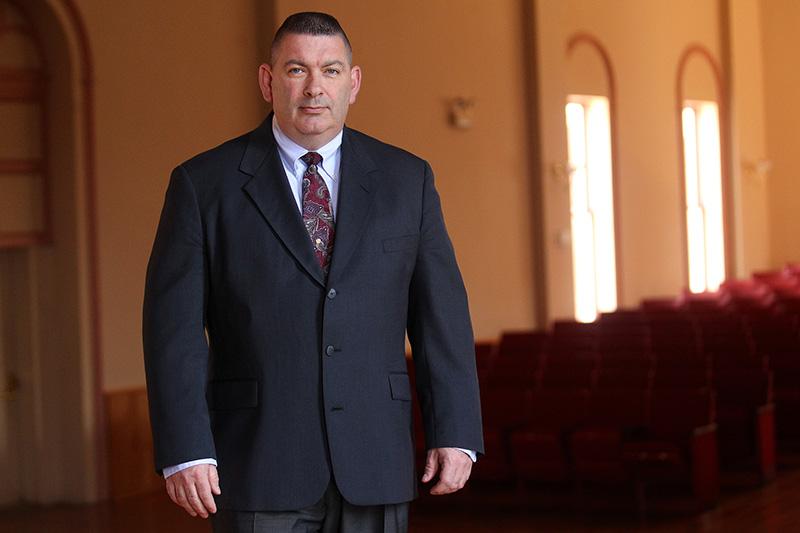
(313, 110)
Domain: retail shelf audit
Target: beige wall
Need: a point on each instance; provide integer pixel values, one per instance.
(780, 22)
(171, 79)
(644, 41)
(750, 136)
(416, 56)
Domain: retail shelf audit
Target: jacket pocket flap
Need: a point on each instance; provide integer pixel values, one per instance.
(233, 394)
(400, 386)
(395, 244)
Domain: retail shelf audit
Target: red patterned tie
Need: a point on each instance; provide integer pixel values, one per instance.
(317, 210)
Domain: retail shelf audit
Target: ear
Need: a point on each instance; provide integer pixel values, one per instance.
(265, 81)
(355, 82)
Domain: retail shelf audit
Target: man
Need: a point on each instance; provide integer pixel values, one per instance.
(305, 250)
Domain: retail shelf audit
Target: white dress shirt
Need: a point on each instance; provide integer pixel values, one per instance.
(290, 153)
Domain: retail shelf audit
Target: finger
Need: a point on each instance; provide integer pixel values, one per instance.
(444, 485)
(450, 477)
(465, 475)
(461, 479)
(183, 501)
(213, 477)
(171, 492)
(442, 488)
(195, 501)
(461, 470)
(431, 466)
(206, 498)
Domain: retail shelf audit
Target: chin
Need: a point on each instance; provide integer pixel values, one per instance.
(313, 127)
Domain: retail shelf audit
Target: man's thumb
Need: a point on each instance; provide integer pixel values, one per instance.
(214, 479)
(431, 465)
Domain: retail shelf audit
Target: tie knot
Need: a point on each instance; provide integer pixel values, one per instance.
(311, 158)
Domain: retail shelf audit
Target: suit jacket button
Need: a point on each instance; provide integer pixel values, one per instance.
(332, 294)
(329, 350)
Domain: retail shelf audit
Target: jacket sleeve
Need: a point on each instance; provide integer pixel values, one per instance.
(173, 330)
(441, 337)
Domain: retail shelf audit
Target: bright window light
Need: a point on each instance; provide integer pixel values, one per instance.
(591, 206)
(703, 173)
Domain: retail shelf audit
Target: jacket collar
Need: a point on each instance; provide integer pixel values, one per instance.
(269, 190)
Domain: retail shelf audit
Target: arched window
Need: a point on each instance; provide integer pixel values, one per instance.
(701, 115)
(24, 203)
(591, 206)
(589, 113)
(703, 184)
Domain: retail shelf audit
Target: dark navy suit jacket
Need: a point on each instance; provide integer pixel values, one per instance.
(287, 378)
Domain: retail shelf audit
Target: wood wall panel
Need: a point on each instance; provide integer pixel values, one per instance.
(129, 444)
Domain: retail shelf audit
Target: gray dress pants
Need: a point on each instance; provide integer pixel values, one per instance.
(332, 514)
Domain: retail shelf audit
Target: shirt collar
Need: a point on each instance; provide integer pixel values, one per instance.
(291, 152)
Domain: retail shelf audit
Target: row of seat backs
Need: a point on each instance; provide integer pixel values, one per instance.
(667, 412)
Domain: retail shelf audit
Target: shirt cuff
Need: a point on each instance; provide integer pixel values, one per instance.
(169, 470)
(471, 453)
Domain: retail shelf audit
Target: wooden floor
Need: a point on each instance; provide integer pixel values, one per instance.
(773, 508)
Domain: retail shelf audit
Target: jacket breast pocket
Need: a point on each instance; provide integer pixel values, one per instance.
(400, 387)
(397, 244)
(233, 394)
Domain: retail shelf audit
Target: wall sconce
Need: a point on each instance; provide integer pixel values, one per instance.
(460, 112)
(561, 173)
(757, 170)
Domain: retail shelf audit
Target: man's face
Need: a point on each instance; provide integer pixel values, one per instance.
(310, 84)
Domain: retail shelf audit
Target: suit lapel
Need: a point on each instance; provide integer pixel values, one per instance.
(355, 200)
(270, 191)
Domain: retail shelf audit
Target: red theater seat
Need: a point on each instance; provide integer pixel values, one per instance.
(539, 449)
(672, 376)
(522, 343)
(565, 371)
(727, 343)
(746, 422)
(574, 338)
(787, 409)
(504, 410)
(650, 305)
(635, 376)
(496, 465)
(623, 339)
(679, 452)
(518, 359)
(484, 355)
(774, 335)
(613, 418)
(674, 339)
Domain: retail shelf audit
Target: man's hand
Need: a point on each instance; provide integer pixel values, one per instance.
(192, 489)
(453, 466)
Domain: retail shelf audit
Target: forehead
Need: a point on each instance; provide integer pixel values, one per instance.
(311, 49)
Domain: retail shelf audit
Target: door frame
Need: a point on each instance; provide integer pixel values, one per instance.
(76, 463)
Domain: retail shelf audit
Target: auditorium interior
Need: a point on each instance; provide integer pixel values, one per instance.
(618, 181)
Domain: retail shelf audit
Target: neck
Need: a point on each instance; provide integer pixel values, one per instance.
(309, 142)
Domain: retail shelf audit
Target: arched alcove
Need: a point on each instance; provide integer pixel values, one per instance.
(699, 86)
(591, 105)
(24, 187)
(48, 288)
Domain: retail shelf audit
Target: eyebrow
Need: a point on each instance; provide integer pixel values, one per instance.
(328, 63)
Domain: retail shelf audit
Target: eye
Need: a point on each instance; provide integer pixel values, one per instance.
(332, 71)
(295, 71)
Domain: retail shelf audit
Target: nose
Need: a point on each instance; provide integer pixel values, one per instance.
(313, 86)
